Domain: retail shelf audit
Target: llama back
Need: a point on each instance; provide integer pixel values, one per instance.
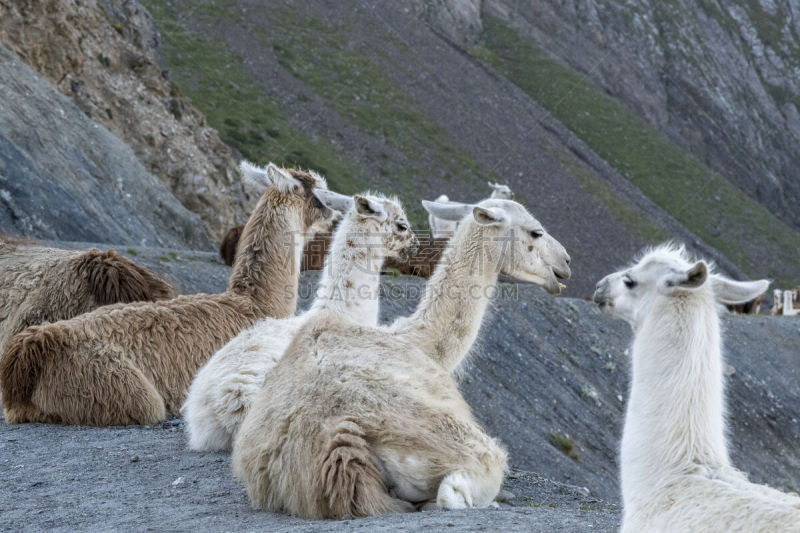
(279, 466)
(41, 285)
(226, 386)
(303, 450)
(116, 279)
(92, 352)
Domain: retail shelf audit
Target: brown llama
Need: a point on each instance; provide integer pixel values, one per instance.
(314, 253)
(132, 363)
(39, 284)
(422, 263)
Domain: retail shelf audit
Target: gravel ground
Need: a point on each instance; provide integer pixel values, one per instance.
(548, 376)
(145, 478)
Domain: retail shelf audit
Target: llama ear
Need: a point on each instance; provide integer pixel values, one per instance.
(281, 180)
(334, 200)
(690, 279)
(488, 216)
(732, 292)
(449, 211)
(254, 176)
(369, 207)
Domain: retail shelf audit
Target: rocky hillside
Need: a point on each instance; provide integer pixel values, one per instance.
(441, 96)
(721, 79)
(63, 176)
(434, 97)
(103, 55)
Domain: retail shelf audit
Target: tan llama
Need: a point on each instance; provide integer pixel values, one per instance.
(132, 364)
(357, 421)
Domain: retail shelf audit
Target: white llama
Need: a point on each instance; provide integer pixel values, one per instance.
(441, 227)
(223, 390)
(357, 421)
(676, 473)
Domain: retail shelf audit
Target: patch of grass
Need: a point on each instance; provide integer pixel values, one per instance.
(216, 83)
(163, 258)
(630, 218)
(700, 199)
(361, 91)
(563, 444)
(133, 251)
(173, 255)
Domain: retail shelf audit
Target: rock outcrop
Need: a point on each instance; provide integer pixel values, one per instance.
(104, 56)
(721, 79)
(65, 177)
(458, 20)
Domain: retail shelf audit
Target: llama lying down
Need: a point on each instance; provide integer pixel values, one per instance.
(676, 473)
(373, 228)
(356, 420)
(132, 364)
(39, 284)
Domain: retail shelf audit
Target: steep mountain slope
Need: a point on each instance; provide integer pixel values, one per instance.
(63, 176)
(103, 55)
(377, 98)
(720, 78)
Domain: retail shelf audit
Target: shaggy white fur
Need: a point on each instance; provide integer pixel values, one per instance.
(356, 421)
(223, 390)
(676, 473)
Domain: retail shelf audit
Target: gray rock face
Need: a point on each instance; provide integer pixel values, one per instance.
(459, 20)
(721, 79)
(65, 177)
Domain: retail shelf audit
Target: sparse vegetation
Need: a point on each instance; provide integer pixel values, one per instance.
(630, 218)
(216, 82)
(563, 444)
(353, 84)
(699, 198)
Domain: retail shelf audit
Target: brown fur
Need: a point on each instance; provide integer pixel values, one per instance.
(753, 307)
(421, 264)
(126, 364)
(40, 284)
(227, 250)
(314, 253)
(424, 261)
(352, 485)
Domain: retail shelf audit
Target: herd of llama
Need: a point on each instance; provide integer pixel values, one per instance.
(327, 413)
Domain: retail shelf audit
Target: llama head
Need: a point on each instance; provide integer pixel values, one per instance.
(501, 192)
(373, 220)
(668, 272)
(517, 241)
(293, 188)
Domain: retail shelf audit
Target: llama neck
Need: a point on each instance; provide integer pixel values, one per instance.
(266, 268)
(675, 416)
(350, 281)
(448, 318)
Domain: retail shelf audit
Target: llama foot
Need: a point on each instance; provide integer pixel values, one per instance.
(455, 492)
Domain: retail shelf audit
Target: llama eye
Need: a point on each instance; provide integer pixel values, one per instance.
(536, 233)
(401, 226)
(629, 283)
